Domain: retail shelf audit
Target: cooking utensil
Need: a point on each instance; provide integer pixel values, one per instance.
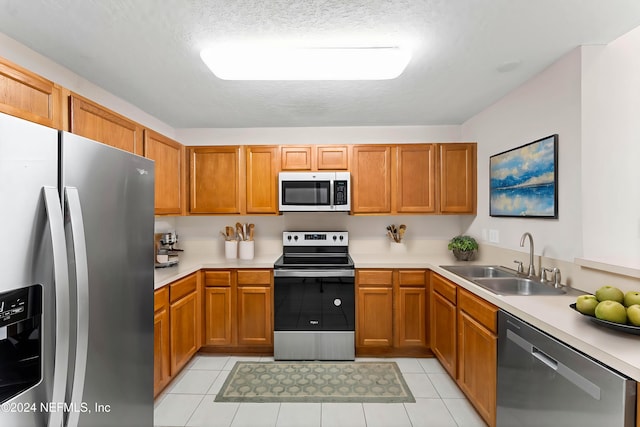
(239, 231)
(251, 228)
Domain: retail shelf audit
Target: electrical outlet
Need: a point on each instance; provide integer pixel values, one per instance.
(494, 236)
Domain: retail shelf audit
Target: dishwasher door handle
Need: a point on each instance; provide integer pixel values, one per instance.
(544, 358)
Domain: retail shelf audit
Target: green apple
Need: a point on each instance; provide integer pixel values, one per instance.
(612, 311)
(631, 298)
(610, 293)
(586, 304)
(633, 314)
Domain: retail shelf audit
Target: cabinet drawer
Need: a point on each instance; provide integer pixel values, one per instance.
(479, 309)
(374, 277)
(254, 277)
(444, 287)
(217, 278)
(412, 277)
(160, 299)
(183, 287)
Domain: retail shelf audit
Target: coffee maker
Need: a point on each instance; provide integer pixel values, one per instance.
(166, 252)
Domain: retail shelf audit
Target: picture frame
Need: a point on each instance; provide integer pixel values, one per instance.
(523, 181)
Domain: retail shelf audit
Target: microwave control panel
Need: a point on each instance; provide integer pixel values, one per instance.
(340, 193)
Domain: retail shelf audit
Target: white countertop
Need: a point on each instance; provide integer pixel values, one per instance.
(551, 314)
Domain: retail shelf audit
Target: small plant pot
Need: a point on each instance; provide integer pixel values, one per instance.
(464, 255)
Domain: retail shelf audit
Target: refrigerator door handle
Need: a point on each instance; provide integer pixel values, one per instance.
(74, 210)
(61, 279)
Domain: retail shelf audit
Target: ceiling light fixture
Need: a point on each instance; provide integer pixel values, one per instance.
(244, 62)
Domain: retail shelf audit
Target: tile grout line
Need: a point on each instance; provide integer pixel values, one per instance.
(195, 409)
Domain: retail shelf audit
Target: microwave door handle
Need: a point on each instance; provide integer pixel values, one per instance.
(61, 292)
(332, 185)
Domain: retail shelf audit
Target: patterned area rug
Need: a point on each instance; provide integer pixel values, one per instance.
(315, 382)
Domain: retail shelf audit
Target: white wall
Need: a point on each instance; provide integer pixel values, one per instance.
(611, 151)
(319, 135)
(39, 64)
(547, 104)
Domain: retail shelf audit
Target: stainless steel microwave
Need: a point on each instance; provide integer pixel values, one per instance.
(314, 191)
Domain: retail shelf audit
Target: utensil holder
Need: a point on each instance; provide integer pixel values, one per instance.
(397, 247)
(231, 249)
(246, 249)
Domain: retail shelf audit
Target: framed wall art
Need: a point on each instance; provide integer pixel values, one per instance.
(523, 182)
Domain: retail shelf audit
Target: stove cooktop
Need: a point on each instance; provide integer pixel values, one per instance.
(315, 249)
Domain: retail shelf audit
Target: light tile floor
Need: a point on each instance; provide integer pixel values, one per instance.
(188, 401)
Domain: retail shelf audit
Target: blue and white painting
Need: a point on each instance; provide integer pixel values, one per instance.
(523, 181)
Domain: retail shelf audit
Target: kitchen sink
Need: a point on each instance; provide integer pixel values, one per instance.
(479, 270)
(517, 286)
(503, 281)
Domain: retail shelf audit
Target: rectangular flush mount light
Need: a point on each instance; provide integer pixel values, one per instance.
(242, 62)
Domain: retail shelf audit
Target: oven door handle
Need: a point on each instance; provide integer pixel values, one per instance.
(284, 272)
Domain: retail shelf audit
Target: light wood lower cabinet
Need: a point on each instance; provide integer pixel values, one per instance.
(161, 344)
(443, 322)
(464, 339)
(238, 309)
(391, 312)
(186, 321)
(412, 312)
(478, 353)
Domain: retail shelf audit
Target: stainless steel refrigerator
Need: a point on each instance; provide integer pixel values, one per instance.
(76, 282)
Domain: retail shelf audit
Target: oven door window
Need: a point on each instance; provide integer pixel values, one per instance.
(314, 304)
(306, 193)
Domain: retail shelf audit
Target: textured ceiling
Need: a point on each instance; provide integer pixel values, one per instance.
(467, 53)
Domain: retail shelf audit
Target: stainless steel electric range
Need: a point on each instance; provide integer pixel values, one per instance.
(314, 297)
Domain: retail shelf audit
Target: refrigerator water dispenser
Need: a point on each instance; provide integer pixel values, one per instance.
(20, 340)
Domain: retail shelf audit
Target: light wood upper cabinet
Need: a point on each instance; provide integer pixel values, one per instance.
(371, 179)
(457, 174)
(314, 157)
(96, 122)
(216, 180)
(169, 166)
(29, 96)
(416, 178)
(332, 157)
(262, 179)
(296, 157)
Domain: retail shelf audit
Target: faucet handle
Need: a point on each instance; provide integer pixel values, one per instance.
(543, 274)
(520, 266)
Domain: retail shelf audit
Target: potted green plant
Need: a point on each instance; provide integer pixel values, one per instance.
(464, 247)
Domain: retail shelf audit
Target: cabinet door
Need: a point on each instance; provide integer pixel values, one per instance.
(416, 179)
(169, 158)
(218, 316)
(371, 179)
(215, 178)
(161, 355)
(457, 170)
(332, 157)
(28, 96)
(477, 375)
(262, 180)
(184, 330)
(255, 326)
(296, 158)
(96, 122)
(411, 317)
(443, 332)
(374, 317)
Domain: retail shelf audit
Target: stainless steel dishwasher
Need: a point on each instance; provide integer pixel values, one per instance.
(544, 382)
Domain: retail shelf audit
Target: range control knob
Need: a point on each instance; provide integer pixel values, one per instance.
(289, 237)
(341, 237)
(295, 238)
(334, 237)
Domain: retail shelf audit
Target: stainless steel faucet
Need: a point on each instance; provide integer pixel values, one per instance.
(532, 269)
